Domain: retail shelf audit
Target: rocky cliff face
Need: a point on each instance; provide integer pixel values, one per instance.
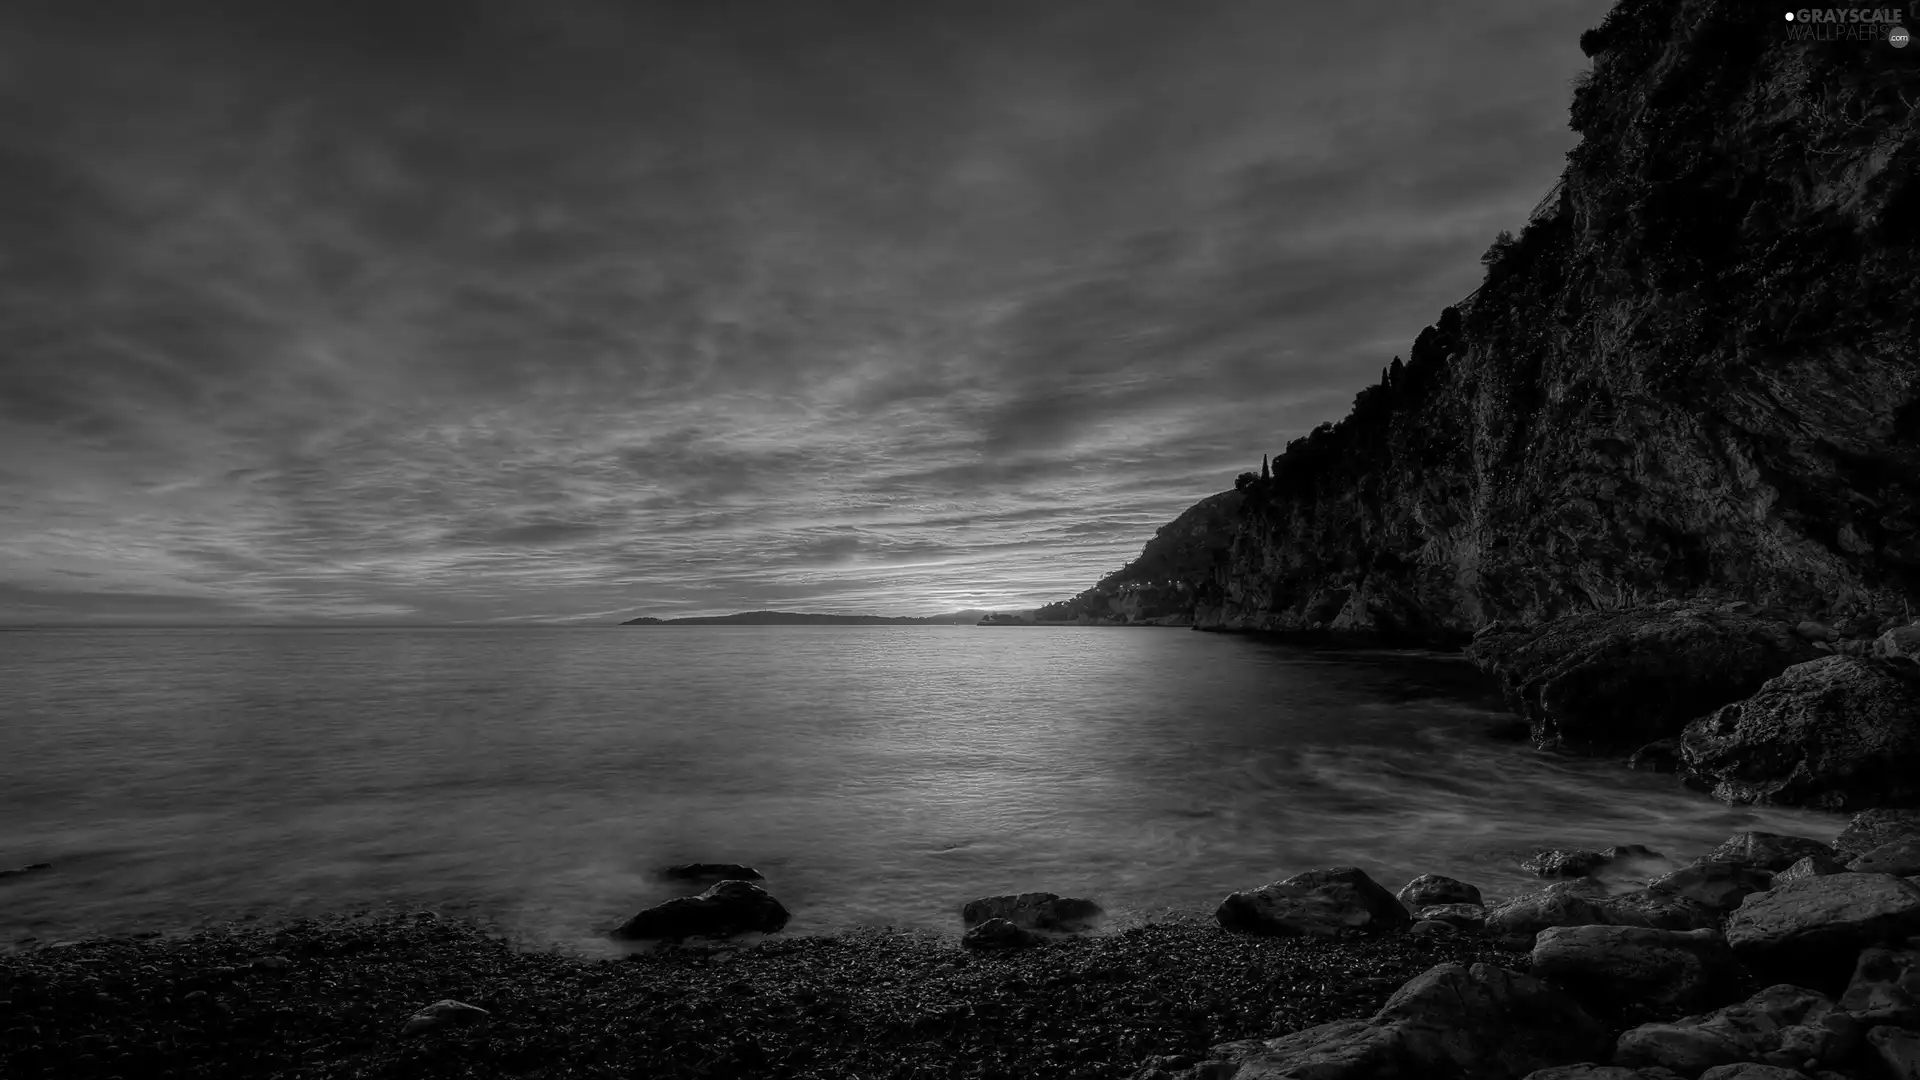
(1160, 585)
(1691, 377)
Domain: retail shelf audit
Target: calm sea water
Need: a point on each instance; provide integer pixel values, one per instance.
(876, 775)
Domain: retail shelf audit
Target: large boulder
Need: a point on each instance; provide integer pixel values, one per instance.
(1597, 682)
(999, 934)
(1885, 988)
(1901, 858)
(1717, 886)
(1810, 931)
(1034, 911)
(1836, 733)
(1331, 902)
(1603, 965)
(1896, 1051)
(1579, 862)
(1871, 828)
(728, 907)
(1784, 1026)
(1434, 890)
(1810, 866)
(1766, 851)
(1567, 903)
(1483, 1022)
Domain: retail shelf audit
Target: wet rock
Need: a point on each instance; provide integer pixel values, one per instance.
(1436, 890)
(1809, 931)
(1468, 917)
(1660, 911)
(1451, 1020)
(1810, 866)
(1432, 928)
(729, 907)
(999, 934)
(710, 871)
(1579, 862)
(1898, 642)
(1604, 964)
(1885, 988)
(1034, 911)
(1900, 858)
(1603, 1072)
(1718, 886)
(1783, 1025)
(1611, 681)
(446, 1013)
(1659, 756)
(1896, 1051)
(1835, 733)
(1871, 828)
(1752, 1070)
(1767, 851)
(1330, 902)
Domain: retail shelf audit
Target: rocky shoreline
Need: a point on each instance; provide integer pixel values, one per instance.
(1767, 958)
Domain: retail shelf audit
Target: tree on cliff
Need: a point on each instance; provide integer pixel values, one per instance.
(1241, 482)
(1265, 473)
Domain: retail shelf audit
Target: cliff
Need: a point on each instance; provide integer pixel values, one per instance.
(1161, 585)
(1691, 377)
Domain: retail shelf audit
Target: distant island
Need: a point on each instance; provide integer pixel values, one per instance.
(798, 618)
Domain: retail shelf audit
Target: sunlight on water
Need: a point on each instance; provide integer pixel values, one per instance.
(875, 774)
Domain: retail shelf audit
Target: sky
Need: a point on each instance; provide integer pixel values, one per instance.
(483, 311)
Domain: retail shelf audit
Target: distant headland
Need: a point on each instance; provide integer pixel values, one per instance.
(799, 618)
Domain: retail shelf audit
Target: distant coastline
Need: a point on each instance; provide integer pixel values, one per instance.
(799, 618)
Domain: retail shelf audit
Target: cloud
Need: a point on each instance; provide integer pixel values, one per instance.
(484, 309)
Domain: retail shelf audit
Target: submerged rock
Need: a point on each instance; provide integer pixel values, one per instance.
(729, 907)
(1034, 911)
(1330, 902)
(710, 871)
(1870, 828)
(1836, 733)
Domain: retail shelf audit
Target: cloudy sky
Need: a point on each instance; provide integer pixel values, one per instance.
(470, 310)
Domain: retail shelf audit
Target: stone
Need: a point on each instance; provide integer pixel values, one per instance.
(1659, 756)
(1469, 917)
(1810, 866)
(726, 908)
(1752, 1070)
(1602, 1072)
(1331, 902)
(1661, 911)
(1783, 1025)
(1432, 928)
(1870, 828)
(1897, 642)
(1596, 682)
(711, 871)
(999, 934)
(1901, 858)
(1568, 903)
(1558, 862)
(1837, 733)
(1810, 930)
(1449, 1021)
(1602, 964)
(1717, 886)
(1885, 988)
(1766, 851)
(1034, 911)
(445, 1013)
(1896, 1051)
(1435, 890)
(1808, 630)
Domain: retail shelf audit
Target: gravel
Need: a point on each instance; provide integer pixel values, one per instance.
(330, 998)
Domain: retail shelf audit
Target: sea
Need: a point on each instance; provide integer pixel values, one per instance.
(537, 778)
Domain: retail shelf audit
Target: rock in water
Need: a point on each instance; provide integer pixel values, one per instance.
(729, 907)
(1901, 858)
(1034, 911)
(1470, 917)
(1836, 733)
(1811, 866)
(1610, 682)
(1481, 1021)
(1718, 886)
(1602, 965)
(1767, 851)
(1871, 828)
(1435, 890)
(445, 1013)
(999, 934)
(1809, 931)
(1570, 903)
(710, 871)
(1330, 902)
